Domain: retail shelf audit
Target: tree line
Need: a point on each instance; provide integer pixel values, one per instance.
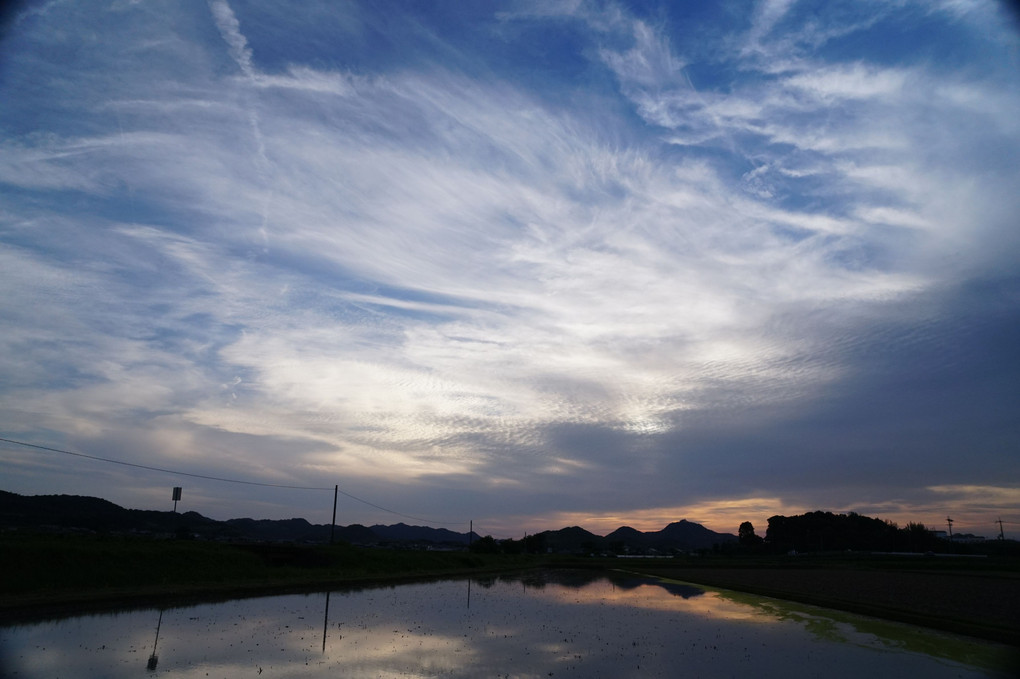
(824, 532)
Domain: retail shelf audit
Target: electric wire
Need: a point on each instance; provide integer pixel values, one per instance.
(160, 469)
(226, 480)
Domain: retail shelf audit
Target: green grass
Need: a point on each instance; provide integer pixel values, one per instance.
(41, 564)
(56, 573)
(51, 574)
(830, 560)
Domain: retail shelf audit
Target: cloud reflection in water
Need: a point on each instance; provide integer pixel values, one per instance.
(573, 624)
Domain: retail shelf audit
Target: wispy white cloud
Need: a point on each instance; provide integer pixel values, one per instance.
(649, 63)
(307, 79)
(230, 29)
(767, 14)
(421, 273)
(566, 285)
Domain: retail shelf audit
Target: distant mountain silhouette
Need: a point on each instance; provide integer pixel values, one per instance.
(91, 514)
(356, 534)
(401, 532)
(691, 535)
(626, 535)
(296, 530)
(572, 539)
(682, 536)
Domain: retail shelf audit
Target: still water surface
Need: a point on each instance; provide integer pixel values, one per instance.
(548, 624)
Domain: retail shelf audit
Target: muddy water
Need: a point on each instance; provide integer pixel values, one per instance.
(548, 624)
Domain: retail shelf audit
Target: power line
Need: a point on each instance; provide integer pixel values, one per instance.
(396, 513)
(160, 469)
(220, 478)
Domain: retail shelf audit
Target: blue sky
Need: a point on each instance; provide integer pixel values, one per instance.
(533, 264)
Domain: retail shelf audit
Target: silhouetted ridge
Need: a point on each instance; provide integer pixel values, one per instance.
(625, 534)
(356, 534)
(691, 535)
(571, 539)
(403, 532)
(82, 513)
(297, 530)
(73, 512)
(88, 513)
(679, 536)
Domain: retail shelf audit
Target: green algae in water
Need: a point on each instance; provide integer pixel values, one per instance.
(870, 632)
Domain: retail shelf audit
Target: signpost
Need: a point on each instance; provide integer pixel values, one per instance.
(177, 497)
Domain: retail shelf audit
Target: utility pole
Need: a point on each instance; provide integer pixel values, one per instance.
(332, 526)
(471, 532)
(950, 522)
(1001, 535)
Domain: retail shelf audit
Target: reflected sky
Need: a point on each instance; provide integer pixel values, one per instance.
(560, 624)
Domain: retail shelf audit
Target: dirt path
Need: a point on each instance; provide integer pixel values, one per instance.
(985, 605)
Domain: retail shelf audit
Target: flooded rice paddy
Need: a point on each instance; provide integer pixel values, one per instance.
(547, 624)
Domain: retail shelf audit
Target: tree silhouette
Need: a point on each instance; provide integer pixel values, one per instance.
(486, 545)
(746, 536)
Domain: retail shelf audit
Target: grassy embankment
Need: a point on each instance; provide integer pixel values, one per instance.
(43, 575)
(46, 575)
(976, 597)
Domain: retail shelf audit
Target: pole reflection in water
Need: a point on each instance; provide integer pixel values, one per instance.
(325, 622)
(154, 659)
(570, 624)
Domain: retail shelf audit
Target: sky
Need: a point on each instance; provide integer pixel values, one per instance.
(526, 264)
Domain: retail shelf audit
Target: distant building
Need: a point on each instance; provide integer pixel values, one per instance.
(968, 538)
(962, 538)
